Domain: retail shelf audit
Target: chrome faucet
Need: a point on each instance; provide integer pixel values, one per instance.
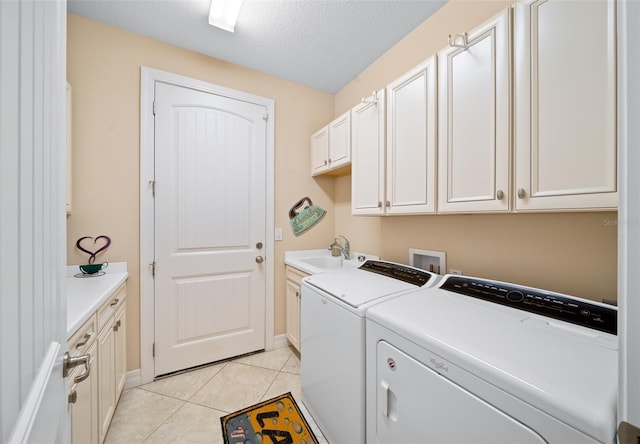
(346, 250)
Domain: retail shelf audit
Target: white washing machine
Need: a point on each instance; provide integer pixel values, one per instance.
(480, 361)
(332, 341)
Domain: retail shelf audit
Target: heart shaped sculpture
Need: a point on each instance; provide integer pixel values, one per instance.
(93, 254)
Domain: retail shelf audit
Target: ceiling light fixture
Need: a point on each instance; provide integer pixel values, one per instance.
(224, 13)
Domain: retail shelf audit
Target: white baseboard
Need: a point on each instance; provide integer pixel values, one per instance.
(133, 376)
(280, 341)
(133, 379)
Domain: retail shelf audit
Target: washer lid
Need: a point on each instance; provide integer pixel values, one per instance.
(358, 286)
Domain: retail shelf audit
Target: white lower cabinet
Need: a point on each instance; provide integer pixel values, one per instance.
(294, 278)
(111, 357)
(474, 119)
(93, 400)
(565, 85)
(368, 156)
(84, 393)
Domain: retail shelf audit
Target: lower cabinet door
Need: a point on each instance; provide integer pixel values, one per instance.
(84, 412)
(120, 327)
(106, 378)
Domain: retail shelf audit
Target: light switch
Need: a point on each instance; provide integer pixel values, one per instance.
(278, 234)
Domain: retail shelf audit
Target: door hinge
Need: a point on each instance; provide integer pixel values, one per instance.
(153, 350)
(153, 268)
(266, 116)
(152, 184)
(154, 107)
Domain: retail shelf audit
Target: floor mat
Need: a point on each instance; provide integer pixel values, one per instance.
(277, 420)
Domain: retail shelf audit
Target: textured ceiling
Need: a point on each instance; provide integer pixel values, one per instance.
(323, 44)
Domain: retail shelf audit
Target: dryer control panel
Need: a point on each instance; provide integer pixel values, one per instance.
(571, 309)
(403, 273)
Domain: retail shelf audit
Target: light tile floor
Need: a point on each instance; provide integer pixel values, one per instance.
(186, 408)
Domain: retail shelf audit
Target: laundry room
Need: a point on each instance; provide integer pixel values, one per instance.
(205, 285)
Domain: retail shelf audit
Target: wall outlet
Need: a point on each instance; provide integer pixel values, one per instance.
(454, 271)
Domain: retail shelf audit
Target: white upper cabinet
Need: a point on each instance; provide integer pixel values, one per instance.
(411, 142)
(331, 146)
(565, 125)
(474, 119)
(320, 151)
(367, 169)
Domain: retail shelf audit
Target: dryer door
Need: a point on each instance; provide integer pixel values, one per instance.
(415, 404)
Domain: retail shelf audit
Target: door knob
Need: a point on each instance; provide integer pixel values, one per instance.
(259, 245)
(69, 363)
(259, 259)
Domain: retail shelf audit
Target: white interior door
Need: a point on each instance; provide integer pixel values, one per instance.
(210, 227)
(33, 327)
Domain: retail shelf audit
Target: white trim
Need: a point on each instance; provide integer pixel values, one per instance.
(629, 212)
(148, 77)
(36, 397)
(132, 379)
(280, 341)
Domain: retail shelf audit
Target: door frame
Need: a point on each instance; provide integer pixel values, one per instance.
(148, 77)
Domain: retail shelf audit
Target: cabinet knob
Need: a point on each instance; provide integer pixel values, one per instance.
(499, 195)
(379, 204)
(325, 162)
(73, 397)
(329, 160)
(521, 193)
(388, 204)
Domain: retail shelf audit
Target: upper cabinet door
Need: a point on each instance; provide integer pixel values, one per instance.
(320, 151)
(340, 141)
(411, 141)
(565, 83)
(367, 156)
(474, 120)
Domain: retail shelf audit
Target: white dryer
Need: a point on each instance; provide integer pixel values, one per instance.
(480, 361)
(332, 340)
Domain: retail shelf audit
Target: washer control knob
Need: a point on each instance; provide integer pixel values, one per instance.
(515, 296)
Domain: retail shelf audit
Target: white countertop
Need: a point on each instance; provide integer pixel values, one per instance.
(86, 294)
(296, 259)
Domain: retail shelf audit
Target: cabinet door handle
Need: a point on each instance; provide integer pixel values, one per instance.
(86, 338)
(115, 302)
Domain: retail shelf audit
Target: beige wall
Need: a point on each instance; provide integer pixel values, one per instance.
(574, 253)
(104, 70)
